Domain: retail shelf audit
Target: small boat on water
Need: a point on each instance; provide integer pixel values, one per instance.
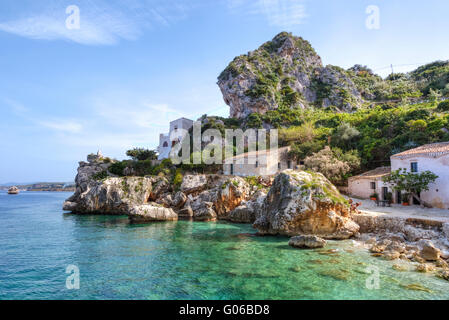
(13, 190)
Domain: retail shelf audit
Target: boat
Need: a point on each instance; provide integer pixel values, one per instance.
(13, 190)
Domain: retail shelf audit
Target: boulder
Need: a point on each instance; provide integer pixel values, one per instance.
(429, 252)
(193, 183)
(307, 241)
(205, 212)
(304, 203)
(151, 213)
(248, 210)
(230, 195)
(186, 212)
(179, 200)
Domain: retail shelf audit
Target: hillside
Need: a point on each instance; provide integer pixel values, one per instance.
(286, 72)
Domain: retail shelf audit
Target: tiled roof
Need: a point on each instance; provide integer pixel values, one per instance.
(434, 149)
(373, 174)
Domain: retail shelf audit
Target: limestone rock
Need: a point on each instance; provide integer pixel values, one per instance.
(429, 252)
(307, 241)
(302, 203)
(285, 70)
(193, 183)
(230, 196)
(423, 267)
(248, 210)
(179, 200)
(205, 212)
(151, 212)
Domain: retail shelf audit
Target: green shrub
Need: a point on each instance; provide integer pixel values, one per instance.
(118, 167)
(443, 106)
(177, 179)
(100, 175)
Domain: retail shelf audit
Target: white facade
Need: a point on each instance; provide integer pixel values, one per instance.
(178, 129)
(438, 163)
(259, 163)
(368, 183)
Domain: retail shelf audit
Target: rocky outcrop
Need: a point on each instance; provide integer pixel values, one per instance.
(230, 195)
(193, 183)
(302, 203)
(151, 213)
(285, 72)
(309, 242)
(111, 195)
(248, 211)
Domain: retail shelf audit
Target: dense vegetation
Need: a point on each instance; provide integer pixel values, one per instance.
(358, 141)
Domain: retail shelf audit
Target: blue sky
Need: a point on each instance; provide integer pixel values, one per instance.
(135, 65)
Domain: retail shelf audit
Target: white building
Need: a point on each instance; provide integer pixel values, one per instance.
(369, 183)
(178, 129)
(259, 163)
(430, 157)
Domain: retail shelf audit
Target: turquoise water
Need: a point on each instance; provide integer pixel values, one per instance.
(177, 260)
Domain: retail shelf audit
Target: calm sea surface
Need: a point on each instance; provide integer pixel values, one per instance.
(178, 260)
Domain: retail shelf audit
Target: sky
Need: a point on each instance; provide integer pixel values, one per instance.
(133, 66)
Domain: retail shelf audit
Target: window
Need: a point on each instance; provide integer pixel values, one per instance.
(373, 185)
(165, 145)
(289, 164)
(414, 166)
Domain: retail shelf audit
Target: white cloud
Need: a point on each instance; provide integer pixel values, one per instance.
(63, 125)
(279, 13)
(102, 23)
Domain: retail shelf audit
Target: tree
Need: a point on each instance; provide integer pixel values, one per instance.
(434, 96)
(327, 162)
(344, 136)
(412, 183)
(141, 154)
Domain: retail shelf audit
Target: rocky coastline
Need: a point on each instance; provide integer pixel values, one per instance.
(302, 205)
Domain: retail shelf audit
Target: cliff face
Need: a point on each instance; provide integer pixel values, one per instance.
(285, 72)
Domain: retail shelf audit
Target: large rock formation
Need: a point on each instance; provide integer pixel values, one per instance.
(111, 195)
(302, 203)
(285, 72)
(153, 198)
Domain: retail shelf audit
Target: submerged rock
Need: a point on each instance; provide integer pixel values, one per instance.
(310, 242)
(303, 203)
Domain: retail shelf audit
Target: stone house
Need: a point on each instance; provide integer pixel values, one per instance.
(431, 157)
(365, 184)
(178, 129)
(259, 163)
